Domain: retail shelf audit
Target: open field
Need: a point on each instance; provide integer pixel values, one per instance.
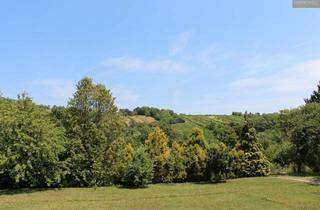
(248, 193)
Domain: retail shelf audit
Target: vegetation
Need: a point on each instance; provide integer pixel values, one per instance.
(91, 143)
(252, 193)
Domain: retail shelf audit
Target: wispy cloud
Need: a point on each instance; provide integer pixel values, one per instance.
(178, 59)
(297, 77)
(135, 64)
(125, 97)
(212, 55)
(179, 44)
(53, 91)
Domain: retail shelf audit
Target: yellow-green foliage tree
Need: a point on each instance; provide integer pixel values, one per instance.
(197, 157)
(177, 161)
(118, 156)
(251, 159)
(156, 146)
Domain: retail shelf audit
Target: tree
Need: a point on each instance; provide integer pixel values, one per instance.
(196, 153)
(302, 126)
(118, 156)
(218, 162)
(94, 123)
(315, 96)
(139, 172)
(252, 160)
(177, 163)
(31, 145)
(156, 146)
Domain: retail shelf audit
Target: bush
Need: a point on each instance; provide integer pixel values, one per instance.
(218, 162)
(139, 172)
(177, 163)
(117, 157)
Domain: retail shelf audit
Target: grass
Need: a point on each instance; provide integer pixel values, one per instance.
(201, 121)
(249, 193)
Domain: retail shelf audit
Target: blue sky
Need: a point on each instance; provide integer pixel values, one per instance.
(198, 57)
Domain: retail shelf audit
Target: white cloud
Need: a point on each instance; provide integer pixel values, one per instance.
(254, 65)
(135, 64)
(299, 77)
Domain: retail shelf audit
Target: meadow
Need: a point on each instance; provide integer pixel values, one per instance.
(246, 193)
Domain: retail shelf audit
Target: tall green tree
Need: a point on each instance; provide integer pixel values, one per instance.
(302, 126)
(93, 124)
(31, 145)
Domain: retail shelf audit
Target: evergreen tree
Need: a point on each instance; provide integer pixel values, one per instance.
(196, 153)
(252, 160)
(315, 97)
(156, 146)
(219, 162)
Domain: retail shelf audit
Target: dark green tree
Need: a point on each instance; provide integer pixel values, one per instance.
(315, 96)
(219, 162)
(302, 126)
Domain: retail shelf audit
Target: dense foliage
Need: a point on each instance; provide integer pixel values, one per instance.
(32, 147)
(88, 143)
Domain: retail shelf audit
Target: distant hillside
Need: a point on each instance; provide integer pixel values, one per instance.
(139, 119)
(202, 121)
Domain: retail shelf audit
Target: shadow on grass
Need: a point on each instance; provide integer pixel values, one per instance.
(315, 181)
(173, 184)
(208, 182)
(131, 187)
(25, 190)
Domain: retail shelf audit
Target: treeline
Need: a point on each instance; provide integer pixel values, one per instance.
(87, 143)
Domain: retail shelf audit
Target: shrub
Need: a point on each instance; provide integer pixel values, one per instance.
(139, 172)
(218, 162)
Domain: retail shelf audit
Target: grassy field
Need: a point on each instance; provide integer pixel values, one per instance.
(201, 121)
(249, 193)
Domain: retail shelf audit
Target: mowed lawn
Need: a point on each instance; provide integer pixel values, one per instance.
(248, 193)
